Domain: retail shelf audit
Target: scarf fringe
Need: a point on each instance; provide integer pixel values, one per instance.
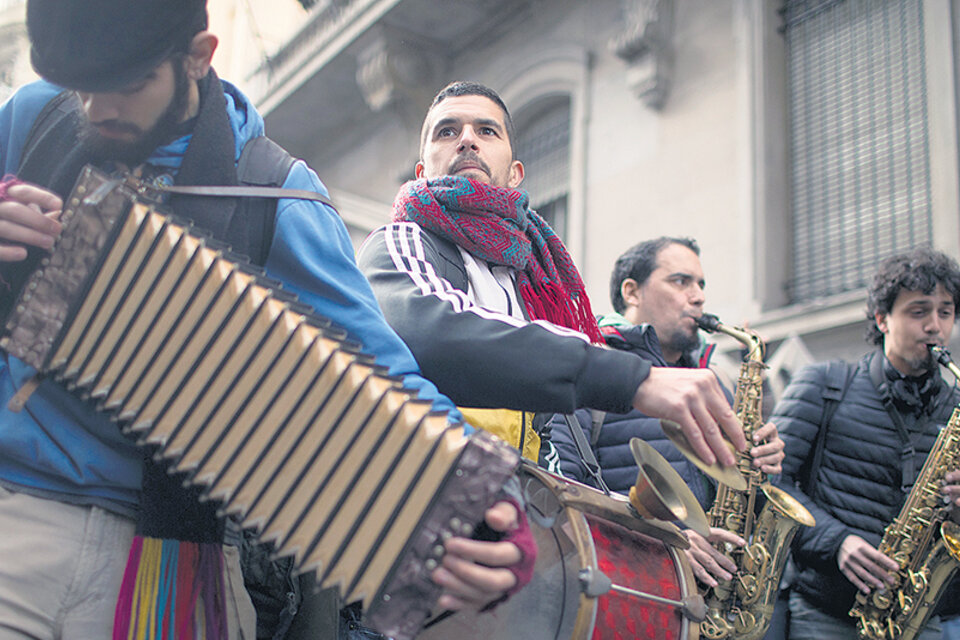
(554, 304)
(170, 590)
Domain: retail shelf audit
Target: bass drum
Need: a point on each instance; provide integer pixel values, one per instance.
(594, 579)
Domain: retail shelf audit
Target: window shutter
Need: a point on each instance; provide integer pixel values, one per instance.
(860, 187)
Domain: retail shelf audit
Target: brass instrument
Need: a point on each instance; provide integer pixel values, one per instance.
(743, 607)
(921, 540)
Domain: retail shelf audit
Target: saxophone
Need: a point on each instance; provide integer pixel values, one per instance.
(743, 607)
(921, 540)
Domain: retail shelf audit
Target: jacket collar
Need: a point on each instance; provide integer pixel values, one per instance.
(621, 334)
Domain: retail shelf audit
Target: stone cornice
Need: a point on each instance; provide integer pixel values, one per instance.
(646, 45)
(333, 27)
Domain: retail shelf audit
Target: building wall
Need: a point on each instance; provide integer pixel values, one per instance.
(710, 163)
(646, 173)
(681, 170)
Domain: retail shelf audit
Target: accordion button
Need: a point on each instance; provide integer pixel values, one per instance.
(430, 564)
(438, 550)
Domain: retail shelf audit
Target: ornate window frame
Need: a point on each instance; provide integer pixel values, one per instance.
(554, 71)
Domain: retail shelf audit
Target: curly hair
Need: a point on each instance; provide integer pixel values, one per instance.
(638, 262)
(918, 270)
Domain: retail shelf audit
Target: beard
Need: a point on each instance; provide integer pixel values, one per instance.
(925, 363)
(472, 159)
(134, 152)
(681, 341)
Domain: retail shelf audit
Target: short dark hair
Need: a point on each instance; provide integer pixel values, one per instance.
(468, 88)
(918, 270)
(638, 262)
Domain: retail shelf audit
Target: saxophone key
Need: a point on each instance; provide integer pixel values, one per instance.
(744, 622)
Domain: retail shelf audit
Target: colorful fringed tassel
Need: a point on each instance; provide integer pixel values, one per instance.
(170, 590)
(549, 301)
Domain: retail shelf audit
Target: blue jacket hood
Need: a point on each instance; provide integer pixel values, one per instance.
(245, 122)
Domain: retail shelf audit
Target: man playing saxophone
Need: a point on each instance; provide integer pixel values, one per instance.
(888, 411)
(657, 290)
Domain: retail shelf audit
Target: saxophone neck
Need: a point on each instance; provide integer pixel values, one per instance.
(755, 346)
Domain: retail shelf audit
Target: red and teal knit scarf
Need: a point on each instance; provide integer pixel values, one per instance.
(498, 226)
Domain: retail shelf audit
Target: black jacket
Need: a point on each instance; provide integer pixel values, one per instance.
(858, 482)
(618, 468)
(480, 358)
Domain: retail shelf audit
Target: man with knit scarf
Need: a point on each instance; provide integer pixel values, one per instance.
(490, 302)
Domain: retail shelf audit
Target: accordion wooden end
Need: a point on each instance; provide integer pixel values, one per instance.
(259, 402)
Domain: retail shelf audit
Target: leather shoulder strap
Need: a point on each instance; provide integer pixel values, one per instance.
(908, 466)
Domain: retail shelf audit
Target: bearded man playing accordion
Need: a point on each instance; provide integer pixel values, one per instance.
(129, 87)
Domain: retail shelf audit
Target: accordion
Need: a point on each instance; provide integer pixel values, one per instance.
(263, 405)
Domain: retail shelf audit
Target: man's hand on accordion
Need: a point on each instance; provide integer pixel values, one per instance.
(28, 217)
(481, 573)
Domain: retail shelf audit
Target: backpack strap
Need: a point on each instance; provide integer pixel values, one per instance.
(51, 136)
(262, 163)
(587, 458)
(596, 423)
(838, 378)
(908, 468)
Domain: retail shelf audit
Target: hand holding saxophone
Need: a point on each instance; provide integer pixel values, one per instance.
(864, 565)
(710, 565)
(767, 451)
(951, 488)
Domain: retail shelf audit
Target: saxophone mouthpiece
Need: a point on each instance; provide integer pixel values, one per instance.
(709, 322)
(941, 354)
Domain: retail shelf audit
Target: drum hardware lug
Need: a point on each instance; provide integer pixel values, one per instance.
(594, 583)
(692, 607)
(542, 506)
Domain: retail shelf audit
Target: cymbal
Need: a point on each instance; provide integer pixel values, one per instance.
(661, 493)
(729, 476)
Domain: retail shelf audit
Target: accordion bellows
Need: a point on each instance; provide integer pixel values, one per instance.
(262, 404)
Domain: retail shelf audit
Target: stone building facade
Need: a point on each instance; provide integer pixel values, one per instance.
(799, 141)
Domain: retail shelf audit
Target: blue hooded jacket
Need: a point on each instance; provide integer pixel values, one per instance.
(58, 447)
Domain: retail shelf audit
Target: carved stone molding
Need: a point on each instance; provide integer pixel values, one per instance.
(646, 45)
(396, 70)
